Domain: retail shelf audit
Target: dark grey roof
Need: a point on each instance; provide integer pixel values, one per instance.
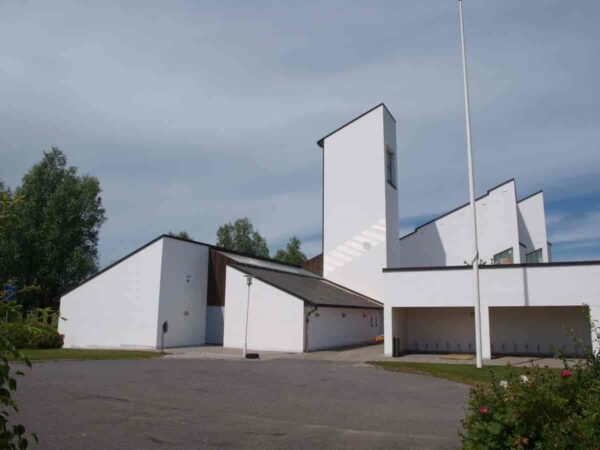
(310, 288)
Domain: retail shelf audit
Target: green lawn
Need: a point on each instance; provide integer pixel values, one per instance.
(461, 373)
(81, 354)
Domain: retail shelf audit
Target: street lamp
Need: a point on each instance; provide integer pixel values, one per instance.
(476, 291)
(249, 283)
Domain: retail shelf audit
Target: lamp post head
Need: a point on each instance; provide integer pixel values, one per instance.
(249, 279)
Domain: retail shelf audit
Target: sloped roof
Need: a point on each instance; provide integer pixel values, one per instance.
(310, 288)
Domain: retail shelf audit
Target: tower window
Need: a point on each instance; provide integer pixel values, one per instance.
(390, 163)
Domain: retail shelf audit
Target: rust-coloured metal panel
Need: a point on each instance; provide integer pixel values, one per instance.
(217, 265)
(314, 265)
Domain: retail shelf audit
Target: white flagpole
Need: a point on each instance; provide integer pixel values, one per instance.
(471, 195)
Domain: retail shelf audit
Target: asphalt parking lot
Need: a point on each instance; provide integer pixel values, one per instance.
(279, 403)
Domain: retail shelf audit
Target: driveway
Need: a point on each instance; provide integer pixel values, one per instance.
(203, 403)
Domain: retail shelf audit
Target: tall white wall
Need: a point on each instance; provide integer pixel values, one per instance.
(449, 241)
(183, 290)
(356, 220)
(532, 225)
(276, 319)
(117, 308)
(338, 327)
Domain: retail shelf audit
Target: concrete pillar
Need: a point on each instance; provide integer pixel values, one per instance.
(595, 327)
(486, 345)
(388, 331)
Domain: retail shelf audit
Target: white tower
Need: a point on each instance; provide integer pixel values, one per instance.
(360, 202)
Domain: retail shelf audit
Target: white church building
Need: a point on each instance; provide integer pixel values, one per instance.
(415, 289)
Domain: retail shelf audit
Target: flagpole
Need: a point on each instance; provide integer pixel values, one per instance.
(476, 291)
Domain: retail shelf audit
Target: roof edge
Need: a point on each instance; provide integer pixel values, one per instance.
(494, 266)
(541, 191)
(190, 241)
(321, 142)
(339, 286)
(512, 180)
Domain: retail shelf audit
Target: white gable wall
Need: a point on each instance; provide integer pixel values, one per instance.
(117, 308)
(448, 241)
(532, 225)
(183, 290)
(276, 319)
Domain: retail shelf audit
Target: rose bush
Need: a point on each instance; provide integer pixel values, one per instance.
(544, 410)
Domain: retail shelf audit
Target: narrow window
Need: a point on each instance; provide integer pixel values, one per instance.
(504, 257)
(371, 321)
(390, 162)
(534, 257)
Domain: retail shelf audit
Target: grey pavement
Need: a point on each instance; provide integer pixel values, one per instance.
(232, 403)
(356, 354)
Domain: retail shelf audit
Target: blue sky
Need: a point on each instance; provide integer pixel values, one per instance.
(192, 114)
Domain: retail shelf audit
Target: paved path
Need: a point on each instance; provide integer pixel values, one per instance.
(203, 403)
(356, 354)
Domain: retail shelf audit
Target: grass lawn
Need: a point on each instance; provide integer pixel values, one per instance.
(461, 373)
(81, 354)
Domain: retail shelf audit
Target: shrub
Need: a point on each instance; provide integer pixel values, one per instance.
(545, 409)
(38, 335)
(12, 436)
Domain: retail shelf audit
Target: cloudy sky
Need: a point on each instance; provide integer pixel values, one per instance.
(194, 113)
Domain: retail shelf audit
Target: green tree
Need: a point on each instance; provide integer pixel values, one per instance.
(181, 235)
(292, 254)
(242, 237)
(52, 229)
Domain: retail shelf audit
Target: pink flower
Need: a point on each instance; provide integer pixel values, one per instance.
(484, 410)
(566, 373)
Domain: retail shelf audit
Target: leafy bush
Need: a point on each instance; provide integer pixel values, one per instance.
(545, 409)
(27, 335)
(11, 436)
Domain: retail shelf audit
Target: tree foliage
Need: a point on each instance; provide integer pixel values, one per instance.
(11, 436)
(49, 227)
(181, 235)
(242, 237)
(292, 253)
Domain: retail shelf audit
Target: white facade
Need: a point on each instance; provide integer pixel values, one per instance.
(360, 208)
(341, 327)
(427, 288)
(502, 223)
(521, 288)
(183, 286)
(118, 308)
(532, 227)
(275, 318)
(126, 305)
(279, 321)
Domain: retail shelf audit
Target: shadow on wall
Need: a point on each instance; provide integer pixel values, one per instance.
(422, 248)
(524, 234)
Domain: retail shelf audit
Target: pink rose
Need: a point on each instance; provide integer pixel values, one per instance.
(484, 410)
(566, 373)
